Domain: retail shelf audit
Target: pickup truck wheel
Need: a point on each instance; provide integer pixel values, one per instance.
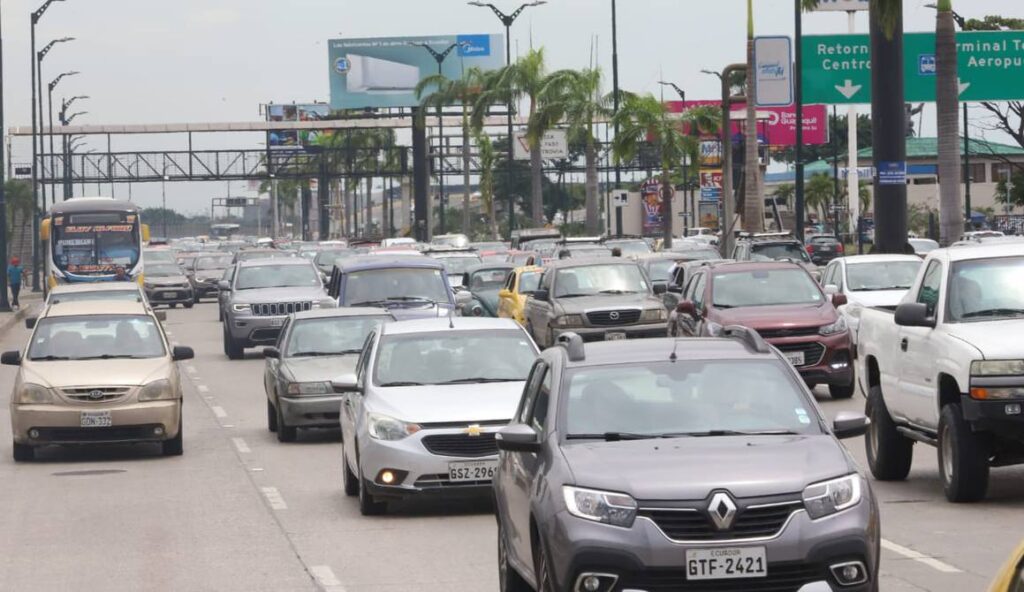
(840, 392)
(889, 453)
(963, 463)
(232, 349)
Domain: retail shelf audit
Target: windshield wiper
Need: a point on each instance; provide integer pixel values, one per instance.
(402, 383)
(618, 292)
(316, 353)
(48, 358)
(993, 312)
(478, 380)
(612, 436)
(411, 299)
(573, 295)
(110, 357)
(713, 433)
(368, 303)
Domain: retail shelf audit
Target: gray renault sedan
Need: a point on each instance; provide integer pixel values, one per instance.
(314, 347)
(679, 464)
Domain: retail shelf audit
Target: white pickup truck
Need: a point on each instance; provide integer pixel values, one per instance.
(946, 368)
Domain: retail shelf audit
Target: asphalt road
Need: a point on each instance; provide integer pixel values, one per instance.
(240, 511)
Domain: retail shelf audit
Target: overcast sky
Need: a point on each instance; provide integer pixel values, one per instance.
(171, 61)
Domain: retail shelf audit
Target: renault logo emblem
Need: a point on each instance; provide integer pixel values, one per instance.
(473, 431)
(613, 315)
(722, 510)
(95, 395)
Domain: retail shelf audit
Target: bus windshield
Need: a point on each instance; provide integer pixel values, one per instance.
(96, 243)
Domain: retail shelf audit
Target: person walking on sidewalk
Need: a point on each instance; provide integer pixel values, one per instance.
(14, 273)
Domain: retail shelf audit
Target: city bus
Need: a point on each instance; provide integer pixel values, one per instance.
(224, 231)
(89, 238)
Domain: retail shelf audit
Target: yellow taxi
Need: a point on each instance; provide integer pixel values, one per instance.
(513, 295)
(1011, 576)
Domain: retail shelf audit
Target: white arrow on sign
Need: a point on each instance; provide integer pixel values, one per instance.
(963, 85)
(849, 89)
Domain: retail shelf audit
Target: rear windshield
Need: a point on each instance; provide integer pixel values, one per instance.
(454, 357)
(778, 252)
(376, 286)
(213, 262)
(96, 337)
(120, 295)
(277, 276)
(765, 288)
(330, 336)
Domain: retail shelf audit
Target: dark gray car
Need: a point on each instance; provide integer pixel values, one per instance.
(689, 464)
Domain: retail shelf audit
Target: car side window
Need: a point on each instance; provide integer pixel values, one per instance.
(282, 337)
(510, 282)
(530, 392)
(930, 287)
(698, 291)
(539, 414)
(363, 365)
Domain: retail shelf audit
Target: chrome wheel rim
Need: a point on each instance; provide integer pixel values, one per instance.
(946, 451)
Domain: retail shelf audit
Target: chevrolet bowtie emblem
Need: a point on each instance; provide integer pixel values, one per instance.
(474, 430)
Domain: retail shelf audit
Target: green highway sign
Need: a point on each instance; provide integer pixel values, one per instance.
(837, 68)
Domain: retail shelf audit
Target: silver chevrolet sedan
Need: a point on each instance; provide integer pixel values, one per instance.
(314, 347)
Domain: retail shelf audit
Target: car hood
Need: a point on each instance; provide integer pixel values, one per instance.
(991, 337)
(172, 280)
(279, 295)
(607, 301)
(887, 298)
(319, 368)
(771, 317)
(691, 468)
(448, 403)
(63, 374)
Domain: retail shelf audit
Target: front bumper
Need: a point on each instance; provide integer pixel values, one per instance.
(645, 560)
(630, 331)
(205, 288)
(1003, 417)
(176, 295)
(828, 359)
(421, 471)
(311, 410)
(253, 330)
(39, 425)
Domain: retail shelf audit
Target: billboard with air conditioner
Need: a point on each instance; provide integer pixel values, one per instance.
(383, 72)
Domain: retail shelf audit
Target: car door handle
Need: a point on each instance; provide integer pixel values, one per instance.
(904, 344)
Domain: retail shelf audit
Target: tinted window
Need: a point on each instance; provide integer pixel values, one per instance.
(529, 281)
(96, 337)
(766, 287)
(379, 285)
(777, 252)
(276, 276)
(454, 357)
(539, 414)
(455, 265)
(889, 275)
(658, 270)
(162, 270)
(122, 295)
(930, 286)
(330, 336)
(629, 247)
(599, 279)
(213, 262)
(687, 398)
(987, 289)
(487, 279)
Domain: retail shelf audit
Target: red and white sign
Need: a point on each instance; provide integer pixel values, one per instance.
(780, 127)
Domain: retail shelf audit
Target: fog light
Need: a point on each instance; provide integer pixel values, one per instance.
(158, 431)
(591, 583)
(595, 582)
(387, 477)
(850, 574)
(33, 434)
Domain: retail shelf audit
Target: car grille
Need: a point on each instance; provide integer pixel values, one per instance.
(790, 332)
(691, 524)
(461, 445)
(111, 434)
(441, 480)
(98, 394)
(278, 309)
(613, 318)
(813, 351)
(782, 577)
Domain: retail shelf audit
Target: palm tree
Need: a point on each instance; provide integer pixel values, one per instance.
(753, 205)
(784, 193)
(575, 96)
(645, 117)
(947, 103)
(525, 79)
(492, 92)
(819, 194)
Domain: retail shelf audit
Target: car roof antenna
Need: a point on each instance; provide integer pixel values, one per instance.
(672, 357)
(451, 322)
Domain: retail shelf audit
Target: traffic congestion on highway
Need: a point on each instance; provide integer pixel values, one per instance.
(586, 414)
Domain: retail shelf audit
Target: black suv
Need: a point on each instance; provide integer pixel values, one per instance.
(823, 249)
(774, 246)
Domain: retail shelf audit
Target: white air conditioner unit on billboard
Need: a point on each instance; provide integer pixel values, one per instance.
(376, 76)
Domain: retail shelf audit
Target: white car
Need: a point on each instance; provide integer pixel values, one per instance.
(869, 281)
(419, 414)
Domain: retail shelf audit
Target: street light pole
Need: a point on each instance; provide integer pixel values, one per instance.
(615, 84)
(507, 20)
(163, 198)
(5, 305)
(49, 101)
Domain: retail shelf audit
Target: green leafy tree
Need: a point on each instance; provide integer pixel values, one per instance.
(1011, 193)
(784, 193)
(819, 194)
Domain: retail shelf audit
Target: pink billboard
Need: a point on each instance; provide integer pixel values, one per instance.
(779, 129)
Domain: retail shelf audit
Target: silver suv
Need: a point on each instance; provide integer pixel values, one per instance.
(261, 295)
(679, 464)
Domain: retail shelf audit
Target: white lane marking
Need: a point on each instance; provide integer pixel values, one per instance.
(274, 498)
(241, 446)
(227, 425)
(219, 412)
(256, 469)
(919, 557)
(325, 577)
(202, 388)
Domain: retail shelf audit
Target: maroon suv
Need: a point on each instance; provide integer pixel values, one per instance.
(781, 302)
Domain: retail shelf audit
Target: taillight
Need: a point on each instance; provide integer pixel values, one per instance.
(839, 248)
(810, 249)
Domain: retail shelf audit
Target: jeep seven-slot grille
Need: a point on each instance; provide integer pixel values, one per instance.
(279, 309)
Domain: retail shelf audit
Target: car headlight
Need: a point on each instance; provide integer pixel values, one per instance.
(830, 497)
(241, 307)
(389, 429)
(654, 315)
(569, 320)
(157, 390)
(33, 394)
(837, 327)
(616, 509)
(310, 388)
(997, 367)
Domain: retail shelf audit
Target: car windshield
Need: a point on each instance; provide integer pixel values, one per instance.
(454, 357)
(277, 276)
(378, 286)
(629, 247)
(778, 252)
(268, 254)
(162, 270)
(824, 240)
(599, 279)
(457, 265)
(219, 262)
(120, 295)
(488, 279)
(704, 254)
(587, 252)
(923, 245)
(687, 399)
(987, 289)
(658, 269)
(529, 281)
(96, 337)
(765, 287)
(159, 256)
(330, 336)
(882, 275)
(327, 258)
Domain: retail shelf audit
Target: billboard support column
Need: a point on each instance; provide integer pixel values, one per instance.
(304, 204)
(420, 180)
(322, 192)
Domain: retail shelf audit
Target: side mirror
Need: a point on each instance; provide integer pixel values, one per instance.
(913, 314)
(674, 289)
(223, 285)
(839, 300)
(346, 383)
(11, 358)
(181, 353)
(518, 438)
(30, 322)
(660, 288)
(161, 315)
(272, 352)
(850, 424)
(465, 280)
(831, 290)
(687, 307)
(542, 295)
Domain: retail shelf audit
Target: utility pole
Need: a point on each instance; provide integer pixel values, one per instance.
(729, 204)
(615, 85)
(889, 126)
(5, 305)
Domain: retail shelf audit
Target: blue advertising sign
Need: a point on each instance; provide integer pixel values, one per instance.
(383, 72)
(892, 172)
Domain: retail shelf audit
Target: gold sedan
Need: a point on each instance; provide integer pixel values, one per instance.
(517, 289)
(1011, 576)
